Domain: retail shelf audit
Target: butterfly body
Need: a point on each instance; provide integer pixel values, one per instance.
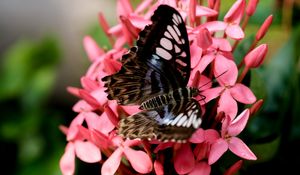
(154, 75)
(174, 96)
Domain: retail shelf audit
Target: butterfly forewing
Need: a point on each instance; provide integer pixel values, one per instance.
(159, 63)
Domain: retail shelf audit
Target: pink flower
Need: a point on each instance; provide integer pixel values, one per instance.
(139, 160)
(228, 139)
(229, 91)
(231, 21)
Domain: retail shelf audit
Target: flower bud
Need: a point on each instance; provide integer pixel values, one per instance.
(234, 168)
(264, 28)
(251, 7)
(256, 56)
(236, 12)
(256, 106)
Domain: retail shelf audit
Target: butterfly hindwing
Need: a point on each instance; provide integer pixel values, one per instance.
(159, 63)
(172, 122)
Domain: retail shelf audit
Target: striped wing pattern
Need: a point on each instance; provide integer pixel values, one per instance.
(173, 122)
(154, 75)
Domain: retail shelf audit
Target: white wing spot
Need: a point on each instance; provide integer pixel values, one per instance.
(183, 54)
(163, 53)
(176, 30)
(167, 44)
(181, 62)
(179, 18)
(176, 120)
(181, 121)
(177, 49)
(183, 41)
(167, 34)
(173, 33)
(190, 121)
(197, 122)
(175, 18)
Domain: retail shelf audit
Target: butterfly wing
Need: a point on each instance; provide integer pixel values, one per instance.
(159, 63)
(173, 122)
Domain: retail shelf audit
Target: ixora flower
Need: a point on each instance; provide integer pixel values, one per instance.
(144, 138)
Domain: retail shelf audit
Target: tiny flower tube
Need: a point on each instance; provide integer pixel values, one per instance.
(256, 106)
(256, 57)
(264, 28)
(192, 11)
(234, 168)
(103, 23)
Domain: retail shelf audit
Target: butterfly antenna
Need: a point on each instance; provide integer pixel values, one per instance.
(212, 81)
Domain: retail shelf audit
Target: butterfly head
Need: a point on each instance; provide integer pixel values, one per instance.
(194, 91)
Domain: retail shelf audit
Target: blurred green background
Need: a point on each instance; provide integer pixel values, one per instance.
(41, 54)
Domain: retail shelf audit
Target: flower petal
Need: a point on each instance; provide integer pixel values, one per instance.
(87, 152)
(239, 123)
(67, 161)
(242, 94)
(92, 49)
(228, 105)
(217, 150)
(211, 93)
(238, 147)
(100, 123)
(163, 146)
(205, 11)
(73, 129)
(205, 61)
(158, 167)
(198, 136)
(211, 135)
(227, 69)
(235, 32)
(214, 26)
(201, 168)
(196, 53)
(111, 165)
(184, 160)
(139, 160)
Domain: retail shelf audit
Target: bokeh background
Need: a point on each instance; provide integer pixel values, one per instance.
(41, 53)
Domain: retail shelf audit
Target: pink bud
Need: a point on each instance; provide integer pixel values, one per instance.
(92, 49)
(103, 23)
(204, 39)
(211, 3)
(256, 106)
(251, 7)
(236, 12)
(74, 91)
(192, 11)
(234, 168)
(264, 28)
(256, 56)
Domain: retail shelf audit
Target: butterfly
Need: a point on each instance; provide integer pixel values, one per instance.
(154, 75)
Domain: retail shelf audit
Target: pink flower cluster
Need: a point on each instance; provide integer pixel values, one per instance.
(92, 133)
